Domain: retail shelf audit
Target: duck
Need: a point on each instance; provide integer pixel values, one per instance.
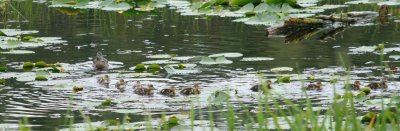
(381, 85)
(317, 86)
(171, 91)
(137, 85)
(256, 88)
(145, 91)
(195, 90)
(104, 80)
(120, 85)
(99, 62)
(355, 86)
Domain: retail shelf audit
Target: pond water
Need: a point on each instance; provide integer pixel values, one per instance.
(131, 38)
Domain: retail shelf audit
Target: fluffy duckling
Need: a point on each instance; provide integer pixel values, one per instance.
(381, 85)
(99, 62)
(171, 91)
(137, 85)
(313, 86)
(257, 88)
(104, 80)
(191, 90)
(121, 84)
(145, 91)
(355, 86)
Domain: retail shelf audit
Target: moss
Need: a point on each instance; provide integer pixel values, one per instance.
(368, 117)
(28, 65)
(283, 79)
(2, 81)
(250, 13)
(27, 38)
(366, 90)
(40, 78)
(3, 69)
(181, 66)
(107, 102)
(154, 67)
(140, 67)
(77, 89)
(41, 64)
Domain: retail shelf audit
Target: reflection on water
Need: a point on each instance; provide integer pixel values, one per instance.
(130, 37)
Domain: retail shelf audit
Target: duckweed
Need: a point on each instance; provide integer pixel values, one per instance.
(41, 64)
(40, 78)
(28, 65)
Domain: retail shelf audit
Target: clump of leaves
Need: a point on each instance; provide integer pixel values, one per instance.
(181, 66)
(28, 65)
(172, 121)
(366, 90)
(41, 64)
(140, 67)
(283, 79)
(77, 89)
(3, 69)
(380, 48)
(2, 81)
(27, 38)
(154, 67)
(40, 78)
(106, 102)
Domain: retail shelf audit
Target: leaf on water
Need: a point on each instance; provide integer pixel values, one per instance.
(15, 32)
(117, 7)
(159, 62)
(171, 70)
(18, 52)
(159, 56)
(227, 55)
(222, 60)
(219, 97)
(248, 7)
(257, 59)
(207, 61)
(279, 69)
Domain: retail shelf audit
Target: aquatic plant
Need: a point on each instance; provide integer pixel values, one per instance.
(154, 67)
(27, 38)
(283, 79)
(2, 81)
(40, 64)
(40, 78)
(3, 68)
(106, 102)
(140, 67)
(181, 66)
(366, 90)
(380, 48)
(369, 117)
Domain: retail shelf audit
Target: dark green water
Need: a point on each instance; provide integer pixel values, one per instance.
(159, 32)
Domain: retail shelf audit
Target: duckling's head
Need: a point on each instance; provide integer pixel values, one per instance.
(197, 86)
(357, 83)
(121, 81)
(319, 83)
(173, 88)
(269, 82)
(151, 87)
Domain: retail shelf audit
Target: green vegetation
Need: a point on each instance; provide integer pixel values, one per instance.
(76, 89)
(283, 79)
(366, 90)
(3, 68)
(106, 102)
(40, 64)
(27, 38)
(181, 66)
(40, 78)
(2, 81)
(154, 67)
(140, 67)
(28, 65)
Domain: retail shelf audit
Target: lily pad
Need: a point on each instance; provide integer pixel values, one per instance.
(15, 32)
(228, 55)
(18, 52)
(257, 59)
(280, 69)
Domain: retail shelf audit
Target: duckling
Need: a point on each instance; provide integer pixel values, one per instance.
(381, 85)
(355, 86)
(313, 86)
(120, 85)
(195, 90)
(104, 80)
(137, 85)
(257, 88)
(145, 91)
(169, 91)
(99, 62)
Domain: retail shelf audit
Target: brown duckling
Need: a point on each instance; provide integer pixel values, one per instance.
(104, 80)
(171, 91)
(137, 85)
(145, 91)
(195, 90)
(257, 88)
(121, 84)
(99, 62)
(313, 86)
(355, 86)
(381, 85)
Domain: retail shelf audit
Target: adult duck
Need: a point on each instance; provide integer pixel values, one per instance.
(99, 62)
(171, 91)
(195, 90)
(257, 88)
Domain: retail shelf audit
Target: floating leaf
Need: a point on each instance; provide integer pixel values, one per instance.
(18, 52)
(279, 69)
(257, 59)
(172, 70)
(15, 32)
(227, 55)
(160, 56)
(222, 60)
